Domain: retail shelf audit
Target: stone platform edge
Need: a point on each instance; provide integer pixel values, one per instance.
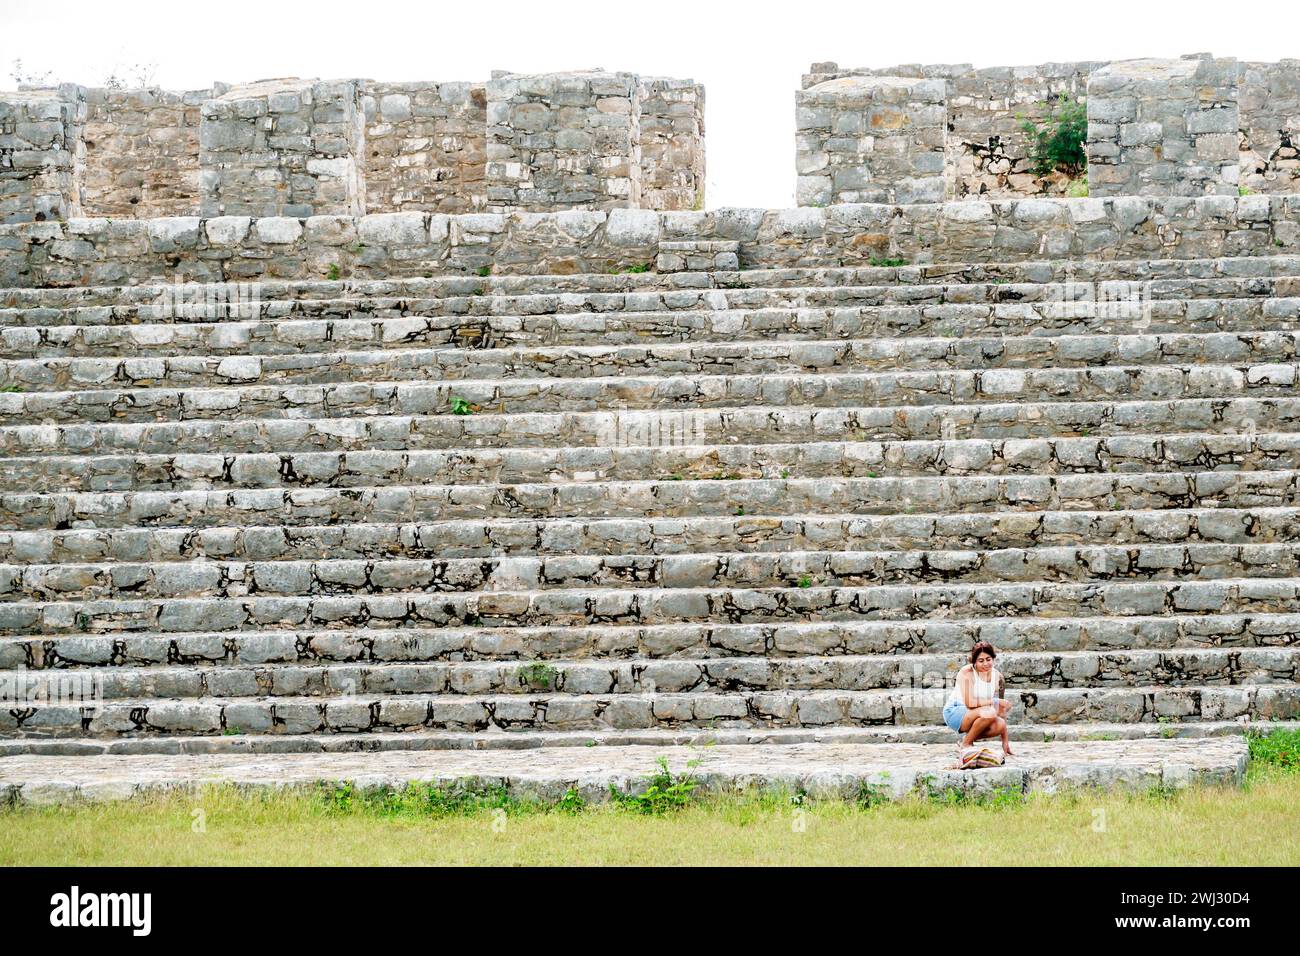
(824, 770)
(107, 252)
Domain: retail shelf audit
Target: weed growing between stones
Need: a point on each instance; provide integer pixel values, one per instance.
(427, 800)
(1278, 749)
(664, 793)
(332, 273)
(888, 263)
(538, 675)
(461, 406)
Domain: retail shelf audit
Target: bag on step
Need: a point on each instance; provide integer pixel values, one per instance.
(973, 758)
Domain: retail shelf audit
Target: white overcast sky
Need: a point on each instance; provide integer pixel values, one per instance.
(749, 55)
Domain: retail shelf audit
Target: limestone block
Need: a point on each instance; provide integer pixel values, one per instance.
(1163, 128)
(871, 139)
(283, 148)
(42, 154)
(563, 141)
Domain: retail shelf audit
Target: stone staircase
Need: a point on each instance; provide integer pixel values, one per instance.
(492, 521)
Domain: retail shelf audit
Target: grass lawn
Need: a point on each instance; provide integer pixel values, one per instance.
(1254, 825)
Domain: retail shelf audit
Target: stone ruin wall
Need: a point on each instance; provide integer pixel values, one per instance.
(95, 252)
(672, 144)
(306, 147)
(426, 147)
(986, 150)
(1174, 142)
(42, 154)
(142, 152)
(1268, 98)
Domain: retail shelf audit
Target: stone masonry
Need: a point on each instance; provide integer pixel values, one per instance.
(987, 150)
(535, 499)
(870, 139)
(283, 148)
(142, 153)
(1183, 143)
(302, 147)
(1163, 128)
(566, 140)
(1269, 102)
(672, 144)
(425, 147)
(42, 153)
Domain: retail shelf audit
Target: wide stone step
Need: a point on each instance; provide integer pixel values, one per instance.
(235, 344)
(598, 361)
(1022, 671)
(668, 426)
(1058, 281)
(396, 330)
(494, 538)
(677, 462)
(947, 636)
(458, 286)
(760, 708)
(726, 569)
(758, 498)
(701, 741)
(823, 770)
(516, 395)
(653, 606)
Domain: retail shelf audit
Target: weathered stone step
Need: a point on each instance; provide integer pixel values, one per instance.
(823, 770)
(652, 499)
(597, 361)
(452, 286)
(813, 459)
(946, 636)
(398, 329)
(653, 606)
(669, 426)
(1023, 672)
(583, 362)
(702, 741)
(198, 302)
(496, 537)
(727, 569)
(760, 708)
(611, 393)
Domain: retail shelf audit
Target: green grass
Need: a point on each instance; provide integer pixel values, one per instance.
(668, 823)
(439, 828)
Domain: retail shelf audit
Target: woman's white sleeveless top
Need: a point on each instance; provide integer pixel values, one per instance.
(985, 690)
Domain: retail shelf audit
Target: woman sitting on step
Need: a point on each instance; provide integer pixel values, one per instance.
(976, 707)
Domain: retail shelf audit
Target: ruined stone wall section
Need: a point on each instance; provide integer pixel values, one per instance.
(42, 154)
(1164, 128)
(672, 144)
(1268, 98)
(283, 147)
(426, 147)
(989, 152)
(870, 139)
(142, 152)
(235, 248)
(564, 141)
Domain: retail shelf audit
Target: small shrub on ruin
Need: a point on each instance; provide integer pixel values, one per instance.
(1057, 143)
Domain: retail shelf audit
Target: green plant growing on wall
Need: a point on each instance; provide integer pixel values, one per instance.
(1057, 143)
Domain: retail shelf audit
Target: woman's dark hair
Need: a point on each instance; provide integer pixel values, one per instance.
(983, 647)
